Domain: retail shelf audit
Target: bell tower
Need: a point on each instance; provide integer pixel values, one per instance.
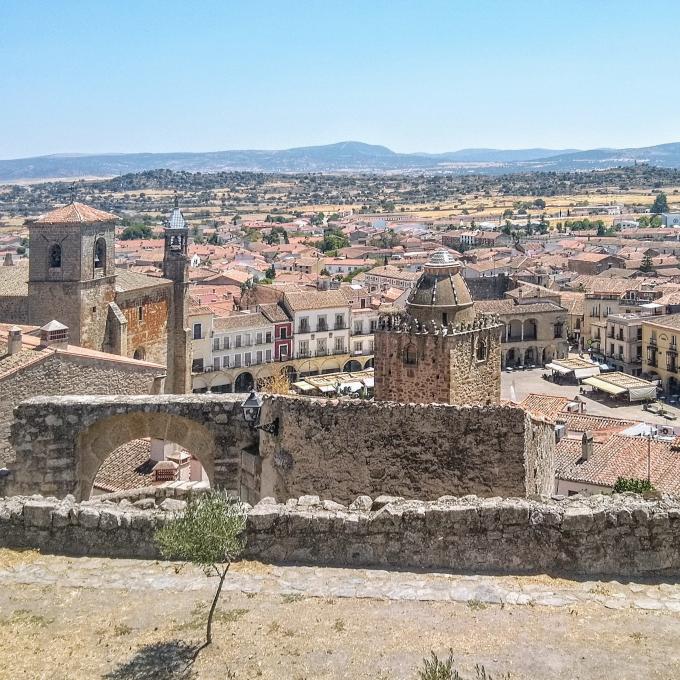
(72, 271)
(176, 268)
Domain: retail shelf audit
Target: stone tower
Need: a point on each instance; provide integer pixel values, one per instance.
(176, 268)
(72, 271)
(439, 350)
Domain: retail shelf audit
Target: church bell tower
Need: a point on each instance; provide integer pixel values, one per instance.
(176, 268)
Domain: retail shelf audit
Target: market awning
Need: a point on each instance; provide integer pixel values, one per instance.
(605, 386)
(303, 386)
(327, 388)
(586, 372)
(351, 386)
(559, 369)
(369, 382)
(642, 393)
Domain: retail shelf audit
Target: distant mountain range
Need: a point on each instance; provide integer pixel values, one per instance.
(340, 157)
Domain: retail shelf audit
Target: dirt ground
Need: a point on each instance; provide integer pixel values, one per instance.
(144, 620)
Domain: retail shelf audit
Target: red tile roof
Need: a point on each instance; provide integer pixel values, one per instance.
(76, 213)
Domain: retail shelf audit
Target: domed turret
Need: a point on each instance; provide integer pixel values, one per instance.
(441, 294)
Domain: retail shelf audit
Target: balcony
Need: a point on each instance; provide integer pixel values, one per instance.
(339, 327)
(321, 353)
(342, 350)
(303, 329)
(652, 342)
(322, 328)
(304, 355)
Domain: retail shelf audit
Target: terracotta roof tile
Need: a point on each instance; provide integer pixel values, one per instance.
(76, 213)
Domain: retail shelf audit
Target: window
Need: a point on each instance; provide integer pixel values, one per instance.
(283, 352)
(304, 348)
(358, 347)
(363, 303)
(283, 333)
(304, 325)
(268, 355)
(249, 340)
(258, 357)
(100, 254)
(248, 359)
(238, 341)
(237, 361)
(481, 350)
(268, 336)
(197, 366)
(216, 363)
(411, 355)
(225, 362)
(339, 321)
(226, 344)
(374, 325)
(198, 331)
(358, 327)
(140, 313)
(339, 344)
(258, 339)
(559, 329)
(216, 343)
(321, 324)
(55, 256)
(370, 347)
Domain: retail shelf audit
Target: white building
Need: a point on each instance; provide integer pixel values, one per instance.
(671, 219)
(320, 323)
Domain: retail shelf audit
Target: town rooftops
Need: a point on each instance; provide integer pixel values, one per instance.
(14, 281)
(240, 320)
(127, 280)
(671, 321)
(75, 213)
(392, 272)
(509, 306)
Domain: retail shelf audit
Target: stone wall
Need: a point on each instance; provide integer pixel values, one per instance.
(619, 535)
(342, 448)
(61, 374)
(444, 369)
(489, 287)
(14, 309)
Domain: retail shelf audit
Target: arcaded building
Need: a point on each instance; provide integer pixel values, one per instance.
(439, 350)
(72, 278)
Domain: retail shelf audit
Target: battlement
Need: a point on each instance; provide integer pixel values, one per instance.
(405, 323)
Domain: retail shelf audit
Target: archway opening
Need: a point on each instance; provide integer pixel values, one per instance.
(140, 354)
(100, 253)
(351, 366)
(55, 256)
(244, 382)
(530, 329)
(369, 363)
(131, 441)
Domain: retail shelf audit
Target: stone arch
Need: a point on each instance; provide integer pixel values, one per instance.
(514, 330)
(99, 257)
(140, 354)
(530, 356)
(369, 363)
(510, 357)
(330, 365)
(97, 442)
(244, 382)
(530, 329)
(351, 366)
(54, 256)
(549, 354)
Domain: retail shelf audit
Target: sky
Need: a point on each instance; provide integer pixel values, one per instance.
(91, 76)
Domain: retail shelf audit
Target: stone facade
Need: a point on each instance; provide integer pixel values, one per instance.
(338, 447)
(449, 365)
(620, 535)
(60, 374)
(343, 448)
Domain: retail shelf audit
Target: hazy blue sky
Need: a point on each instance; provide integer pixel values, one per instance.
(422, 75)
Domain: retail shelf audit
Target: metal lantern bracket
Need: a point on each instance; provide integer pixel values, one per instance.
(252, 408)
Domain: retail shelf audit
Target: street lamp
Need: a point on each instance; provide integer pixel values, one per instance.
(252, 407)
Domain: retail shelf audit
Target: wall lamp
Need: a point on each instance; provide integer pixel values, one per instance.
(252, 408)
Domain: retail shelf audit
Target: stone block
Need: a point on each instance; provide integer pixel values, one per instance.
(38, 514)
(173, 505)
(88, 517)
(577, 519)
(361, 503)
(109, 519)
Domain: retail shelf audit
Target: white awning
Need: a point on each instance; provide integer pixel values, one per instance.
(327, 388)
(559, 369)
(641, 393)
(586, 372)
(351, 386)
(369, 382)
(604, 386)
(303, 386)
(651, 305)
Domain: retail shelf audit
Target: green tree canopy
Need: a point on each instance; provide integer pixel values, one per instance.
(136, 231)
(660, 204)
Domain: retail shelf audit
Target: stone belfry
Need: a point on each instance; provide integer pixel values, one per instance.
(176, 268)
(439, 350)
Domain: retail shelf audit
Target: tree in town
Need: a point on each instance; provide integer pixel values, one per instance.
(660, 204)
(209, 532)
(647, 265)
(630, 484)
(136, 231)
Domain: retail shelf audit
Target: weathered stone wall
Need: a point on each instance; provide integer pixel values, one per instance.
(14, 309)
(61, 442)
(445, 368)
(343, 448)
(489, 287)
(67, 374)
(620, 535)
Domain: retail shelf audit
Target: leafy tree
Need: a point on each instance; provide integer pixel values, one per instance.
(21, 250)
(647, 265)
(643, 221)
(136, 231)
(333, 240)
(660, 204)
(655, 221)
(271, 273)
(209, 533)
(631, 484)
(540, 203)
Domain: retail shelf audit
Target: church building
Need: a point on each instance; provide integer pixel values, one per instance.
(440, 350)
(72, 278)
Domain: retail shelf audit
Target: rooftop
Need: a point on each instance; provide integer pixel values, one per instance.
(75, 213)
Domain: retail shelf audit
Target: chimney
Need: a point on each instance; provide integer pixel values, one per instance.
(586, 446)
(14, 340)
(54, 334)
